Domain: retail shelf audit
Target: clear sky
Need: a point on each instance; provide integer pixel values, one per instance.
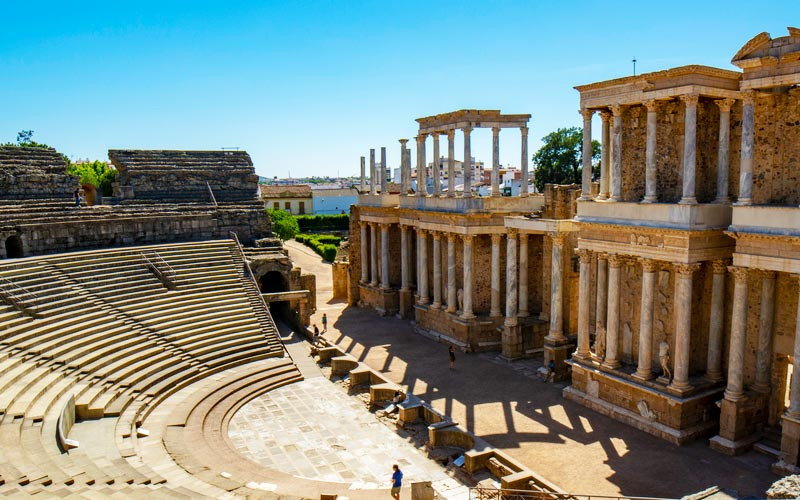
(308, 87)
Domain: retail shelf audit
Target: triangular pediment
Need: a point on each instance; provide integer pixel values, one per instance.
(762, 48)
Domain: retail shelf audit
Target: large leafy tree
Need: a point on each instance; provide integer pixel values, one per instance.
(559, 160)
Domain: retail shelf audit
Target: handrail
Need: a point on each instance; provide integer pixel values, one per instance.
(160, 267)
(211, 192)
(249, 272)
(19, 296)
(488, 493)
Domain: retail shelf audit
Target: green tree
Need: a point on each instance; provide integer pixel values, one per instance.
(559, 160)
(97, 173)
(283, 224)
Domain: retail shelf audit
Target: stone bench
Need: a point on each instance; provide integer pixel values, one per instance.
(341, 365)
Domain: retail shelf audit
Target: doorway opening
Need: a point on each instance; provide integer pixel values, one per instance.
(13, 247)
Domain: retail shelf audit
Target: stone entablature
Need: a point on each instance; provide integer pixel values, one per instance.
(472, 118)
(770, 62)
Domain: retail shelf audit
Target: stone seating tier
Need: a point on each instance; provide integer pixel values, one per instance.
(34, 173)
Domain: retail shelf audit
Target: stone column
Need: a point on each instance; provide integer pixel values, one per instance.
(612, 324)
(451, 167)
(683, 327)
(511, 278)
(373, 242)
(584, 303)
(373, 187)
(601, 302)
(765, 321)
(437, 178)
(467, 162)
(556, 333)
(644, 370)
(467, 312)
(405, 175)
(523, 190)
(586, 169)
(723, 155)
(735, 388)
(495, 161)
(382, 170)
(495, 308)
(616, 154)
(523, 275)
(423, 267)
(422, 167)
(748, 138)
(605, 155)
(650, 175)
(437, 269)
(716, 322)
(363, 176)
(452, 300)
(385, 256)
(364, 254)
(405, 271)
(689, 149)
(794, 391)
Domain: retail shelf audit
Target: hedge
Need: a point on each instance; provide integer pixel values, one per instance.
(340, 222)
(324, 244)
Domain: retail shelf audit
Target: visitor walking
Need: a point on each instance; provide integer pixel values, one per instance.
(452, 353)
(397, 481)
(76, 195)
(324, 323)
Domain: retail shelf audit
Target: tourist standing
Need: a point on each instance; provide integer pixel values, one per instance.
(397, 481)
(324, 323)
(77, 197)
(316, 335)
(452, 353)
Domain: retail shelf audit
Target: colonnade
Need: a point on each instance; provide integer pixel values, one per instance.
(611, 161)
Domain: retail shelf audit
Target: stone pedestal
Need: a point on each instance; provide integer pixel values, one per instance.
(737, 424)
(512, 342)
(384, 301)
(790, 446)
(558, 352)
(406, 304)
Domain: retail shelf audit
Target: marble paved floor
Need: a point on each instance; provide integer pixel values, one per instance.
(313, 430)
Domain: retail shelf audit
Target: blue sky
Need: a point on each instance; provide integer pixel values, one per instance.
(308, 87)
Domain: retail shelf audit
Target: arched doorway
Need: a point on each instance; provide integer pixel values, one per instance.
(273, 282)
(13, 247)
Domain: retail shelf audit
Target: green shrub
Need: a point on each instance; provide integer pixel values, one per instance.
(329, 252)
(97, 173)
(323, 244)
(283, 224)
(339, 222)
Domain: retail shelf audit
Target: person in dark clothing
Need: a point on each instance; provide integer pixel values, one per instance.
(452, 353)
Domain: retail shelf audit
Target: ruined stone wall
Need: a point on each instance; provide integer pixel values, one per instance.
(776, 169)
(354, 269)
(34, 173)
(560, 201)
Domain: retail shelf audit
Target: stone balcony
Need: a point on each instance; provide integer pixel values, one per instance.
(696, 217)
(783, 221)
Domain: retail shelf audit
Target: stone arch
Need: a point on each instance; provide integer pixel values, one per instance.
(272, 282)
(13, 246)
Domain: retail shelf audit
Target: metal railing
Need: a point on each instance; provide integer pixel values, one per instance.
(484, 493)
(163, 271)
(211, 192)
(19, 297)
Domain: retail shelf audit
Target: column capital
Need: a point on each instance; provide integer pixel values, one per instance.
(496, 238)
(436, 235)
(748, 97)
(725, 105)
(649, 265)
(495, 131)
(615, 260)
(466, 130)
(586, 113)
(765, 274)
(524, 131)
(421, 231)
(685, 270)
(690, 100)
(617, 109)
(719, 266)
(605, 116)
(451, 237)
(557, 238)
(651, 105)
(739, 273)
(585, 255)
(402, 142)
(451, 134)
(468, 238)
(601, 255)
(511, 233)
(404, 227)
(435, 135)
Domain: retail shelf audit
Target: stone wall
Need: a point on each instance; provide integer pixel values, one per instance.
(34, 173)
(560, 201)
(776, 169)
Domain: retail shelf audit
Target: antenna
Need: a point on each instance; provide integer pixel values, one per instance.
(634, 65)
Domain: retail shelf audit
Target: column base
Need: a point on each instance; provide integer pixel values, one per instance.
(649, 200)
(732, 448)
(406, 304)
(495, 314)
(723, 201)
(559, 354)
(524, 195)
(738, 423)
(611, 365)
(743, 202)
(679, 389)
(790, 442)
(644, 376)
(465, 315)
(585, 197)
(615, 198)
(714, 377)
(688, 201)
(602, 197)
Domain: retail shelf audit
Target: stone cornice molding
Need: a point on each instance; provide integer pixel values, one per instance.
(644, 78)
(685, 270)
(739, 273)
(725, 105)
(720, 266)
(649, 265)
(585, 255)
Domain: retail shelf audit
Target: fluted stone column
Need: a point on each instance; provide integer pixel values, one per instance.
(748, 137)
(495, 161)
(716, 322)
(452, 299)
(405, 175)
(556, 333)
(511, 278)
(735, 388)
(467, 313)
(373, 242)
(794, 390)
(616, 154)
(422, 167)
(363, 176)
(605, 155)
(689, 149)
(584, 303)
(683, 326)
(495, 278)
(423, 267)
(437, 270)
(644, 370)
(451, 165)
(467, 162)
(435, 172)
(382, 170)
(364, 254)
(523, 275)
(586, 169)
(612, 325)
(765, 322)
(385, 256)
(523, 191)
(601, 301)
(405, 264)
(373, 178)
(723, 154)
(650, 175)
